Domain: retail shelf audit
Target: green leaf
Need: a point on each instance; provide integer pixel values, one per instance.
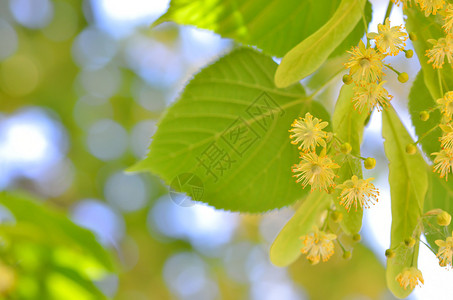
(408, 186)
(286, 247)
(312, 52)
(348, 125)
(427, 28)
(420, 99)
(274, 26)
(197, 149)
(54, 228)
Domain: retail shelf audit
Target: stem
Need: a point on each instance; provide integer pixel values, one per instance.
(426, 133)
(428, 246)
(389, 10)
(391, 68)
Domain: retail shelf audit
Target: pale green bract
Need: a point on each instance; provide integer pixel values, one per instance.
(273, 26)
(408, 186)
(311, 53)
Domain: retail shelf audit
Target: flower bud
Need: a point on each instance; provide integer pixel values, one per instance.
(369, 163)
(409, 242)
(403, 77)
(356, 237)
(424, 116)
(443, 219)
(347, 254)
(412, 36)
(411, 149)
(347, 79)
(346, 148)
(389, 253)
(409, 53)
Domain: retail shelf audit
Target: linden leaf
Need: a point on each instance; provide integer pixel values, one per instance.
(286, 247)
(312, 52)
(408, 185)
(226, 141)
(274, 26)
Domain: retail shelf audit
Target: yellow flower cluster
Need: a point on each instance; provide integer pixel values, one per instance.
(314, 170)
(366, 66)
(410, 277)
(318, 245)
(443, 47)
(443, 161)
(445, 252)
(318, 170)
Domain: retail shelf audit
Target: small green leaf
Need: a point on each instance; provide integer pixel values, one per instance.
(312, 52)
(420, 99)
(348, 125)
(226, 141)
(408, 185)
(286, 247)
(425, 29)
(273, 26)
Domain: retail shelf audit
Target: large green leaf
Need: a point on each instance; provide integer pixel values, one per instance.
(286, 247)
(425, 29)
(312, 52)
(274, 26)
(199, 136)
(348, 125)
(408, 186)
(420, 99)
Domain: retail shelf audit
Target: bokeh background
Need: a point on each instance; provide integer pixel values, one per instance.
(82, 85)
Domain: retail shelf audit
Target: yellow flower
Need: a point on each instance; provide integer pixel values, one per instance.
(430, 6)
(315, 170)
(308, 132)
(370, 95)
(405, 2)
(446, 140)
(445, 252)
(359, 191)
(365, 64)
(444, 162)
(448, 19)
(442, 48)
(318, 245)
(389, 38)
(446, 105)
(410, 277)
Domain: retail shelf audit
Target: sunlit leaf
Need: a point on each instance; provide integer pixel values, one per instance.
(286, 247)
(225, 142)
(312, 52)
(408, 186)
(274, 26)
